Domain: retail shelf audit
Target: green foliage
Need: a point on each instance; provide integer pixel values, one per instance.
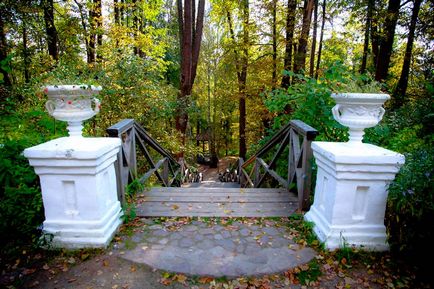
(309, 100)
(21, 209)
(310, 273)
(410, 209)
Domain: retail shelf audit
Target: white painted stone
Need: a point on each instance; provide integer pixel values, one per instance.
(358, 111)
(351, 193)
(79, 190)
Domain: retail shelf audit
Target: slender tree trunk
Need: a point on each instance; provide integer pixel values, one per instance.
(25, 53)
(85, 30)
(99, 32)
(375, 34)
(50, 29)
(116, 11)
(300, 56)
(313, 49)
(92, 35)
(274, 44)
(386, 45)
(190, 48)
(318, 61)
(401, 88)
(290, 26)
(366, 42)
(241, 63)
(3, 51)
(243, 79)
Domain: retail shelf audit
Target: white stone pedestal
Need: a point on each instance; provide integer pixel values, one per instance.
(78, 185)
(351, 193)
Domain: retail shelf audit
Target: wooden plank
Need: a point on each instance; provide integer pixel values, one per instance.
(216, 210)
(119, 128)
(174, 190)
(246, 175)
(151, 171)
(281, 180)
(304, 129)
(221, 198)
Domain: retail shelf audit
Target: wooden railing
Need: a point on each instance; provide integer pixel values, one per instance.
(133, 136)
(297, 136)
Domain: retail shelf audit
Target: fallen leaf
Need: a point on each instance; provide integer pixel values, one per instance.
(105, 263)
(99, 272)
(28, 271)
(45, 267)
(133, 268)
(180, 278)
(204, 280)
(72, 280)
(175, 207)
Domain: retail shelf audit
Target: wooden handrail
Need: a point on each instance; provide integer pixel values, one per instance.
(133, 136)
(300, 157)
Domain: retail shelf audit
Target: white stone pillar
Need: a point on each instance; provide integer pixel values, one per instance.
(78, 186)
(351, 193)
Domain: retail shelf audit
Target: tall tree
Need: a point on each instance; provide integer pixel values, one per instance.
(374, 32)
(367, 33)
(313, 49)
(3, 47)
(318, 61)
(50, 28)
(289, 36)
(300, 56)
(401, 88)
(190, 36)
(274, 43)
(241, 63)
(386, 44)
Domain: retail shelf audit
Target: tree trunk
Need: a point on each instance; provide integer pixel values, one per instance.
(85, 30)
(116, 12)
(99, 32)
(3, 51)
(241, 63)
(92, 35)
(243, 79)
(50, 29)
(274, 44)
(313, 49)
(318, 61)
(290, 26)
(375, 38)
(386, 45)
(25, 53)
(401, 88)
(190, 48)
(300, 56)
(366, 42)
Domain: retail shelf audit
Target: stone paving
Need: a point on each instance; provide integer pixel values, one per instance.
(200, 248)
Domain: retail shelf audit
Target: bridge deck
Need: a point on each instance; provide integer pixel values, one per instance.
(216, 202)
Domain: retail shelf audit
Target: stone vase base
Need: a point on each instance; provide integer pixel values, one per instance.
(369, 237)
(84, 234)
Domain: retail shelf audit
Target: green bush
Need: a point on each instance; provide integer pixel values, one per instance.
(410, 209)
(20, 197)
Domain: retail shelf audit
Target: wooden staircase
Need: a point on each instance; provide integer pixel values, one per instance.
(216, 202)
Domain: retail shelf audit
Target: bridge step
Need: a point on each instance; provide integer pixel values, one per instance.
(216, 202)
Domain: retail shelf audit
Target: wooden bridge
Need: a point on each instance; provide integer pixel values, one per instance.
(262, 191)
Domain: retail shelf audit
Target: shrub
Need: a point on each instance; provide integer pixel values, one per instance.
(410, 209)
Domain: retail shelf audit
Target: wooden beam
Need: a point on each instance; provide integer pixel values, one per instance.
(153, 170)
(273, 173)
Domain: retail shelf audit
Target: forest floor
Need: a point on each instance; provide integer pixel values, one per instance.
(111, 267)
(118, 266)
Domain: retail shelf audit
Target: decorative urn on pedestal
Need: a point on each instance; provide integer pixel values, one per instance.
(352, 178)
(358, 111)
(73, 104)
(78, 178)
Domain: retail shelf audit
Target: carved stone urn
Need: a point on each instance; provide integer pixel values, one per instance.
(358, 111)
(73, 104)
